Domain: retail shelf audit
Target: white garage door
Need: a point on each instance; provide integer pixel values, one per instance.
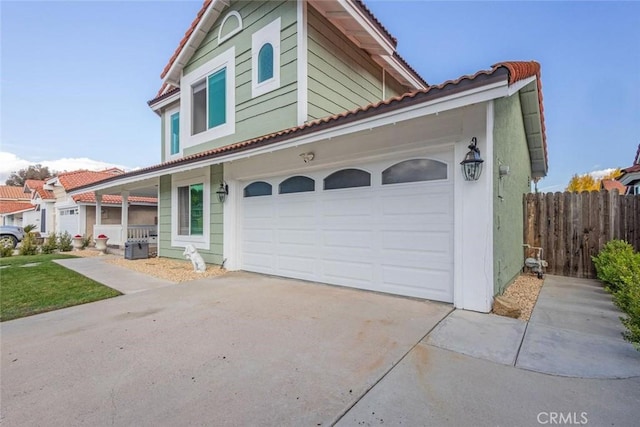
(68, 221)
(385, 227)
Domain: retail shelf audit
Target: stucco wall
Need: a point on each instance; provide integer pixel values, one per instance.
(213, 255)
(510, 149)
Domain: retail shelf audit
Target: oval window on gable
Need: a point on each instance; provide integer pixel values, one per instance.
(297, 184)
(265, 63)
(258, 188)
(347, 178)
(414, 170)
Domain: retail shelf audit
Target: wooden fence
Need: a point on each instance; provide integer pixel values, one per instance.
(572, 227)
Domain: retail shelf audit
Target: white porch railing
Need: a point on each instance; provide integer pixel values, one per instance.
(135, 233)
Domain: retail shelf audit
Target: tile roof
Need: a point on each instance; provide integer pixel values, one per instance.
(110, 199)
(37, 186)
(79, 178)
(631, 169)
(44, 194)
(513, 71)
(611, 184)
(34, 183)
(13, 192)
(7, 207)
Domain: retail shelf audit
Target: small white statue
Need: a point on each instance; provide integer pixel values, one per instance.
(192, 254)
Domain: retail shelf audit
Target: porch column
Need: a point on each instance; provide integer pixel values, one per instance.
(98, 208)
(124, 220)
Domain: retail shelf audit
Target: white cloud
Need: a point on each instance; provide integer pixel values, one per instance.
(9, 163)
(599, 174)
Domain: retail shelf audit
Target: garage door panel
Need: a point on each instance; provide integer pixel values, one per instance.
(298, 209)
(352, 205)
(355, 273)
(303, 267)
(259, 262)
(347, 238)
(417, 241)
(423, 283)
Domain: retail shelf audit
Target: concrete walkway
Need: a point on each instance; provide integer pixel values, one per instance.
(119, 278)
(574, 331)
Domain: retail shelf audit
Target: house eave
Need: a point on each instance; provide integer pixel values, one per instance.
(531, 115)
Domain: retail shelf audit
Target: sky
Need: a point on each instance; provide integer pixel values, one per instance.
(75, 75)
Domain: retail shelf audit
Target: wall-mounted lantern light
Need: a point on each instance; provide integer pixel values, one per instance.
(222, 192)
(472, 163)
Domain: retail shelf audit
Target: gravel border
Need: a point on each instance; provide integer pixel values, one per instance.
(524, 291)
(174, 270)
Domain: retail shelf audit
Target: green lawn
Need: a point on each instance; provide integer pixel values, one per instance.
(25, 291)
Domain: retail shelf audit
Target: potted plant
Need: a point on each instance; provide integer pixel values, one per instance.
(77, 242)
(101, 243)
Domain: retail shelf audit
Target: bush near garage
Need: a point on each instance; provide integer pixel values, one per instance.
(50, 244)
(6, 249)
(64, 242)
(618, 265)
(29, 245)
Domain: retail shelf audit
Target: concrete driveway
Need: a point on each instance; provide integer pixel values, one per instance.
(241, 349)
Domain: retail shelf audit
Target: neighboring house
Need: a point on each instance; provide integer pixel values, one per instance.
(42, 216)
(14, 204)
(77, 214)
(297, 142)
(631, 176)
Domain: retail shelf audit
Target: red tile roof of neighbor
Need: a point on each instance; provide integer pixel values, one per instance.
(612, 184)
(12, 192)
(44, 194)
(74, 179)
(514, 71)
(109, 199)
(8, 207)
(34, 183)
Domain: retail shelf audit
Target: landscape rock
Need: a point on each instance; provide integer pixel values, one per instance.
(505, 306)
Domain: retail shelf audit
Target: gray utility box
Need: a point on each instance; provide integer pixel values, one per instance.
(135, 250)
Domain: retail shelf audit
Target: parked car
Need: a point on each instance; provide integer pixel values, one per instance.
(10, 235)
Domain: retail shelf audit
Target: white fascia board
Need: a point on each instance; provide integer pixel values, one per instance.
(519, 85)
(200, 31)
(366, 24)
(302, 70)
(169, 100)
(401, 69)
(458, 100)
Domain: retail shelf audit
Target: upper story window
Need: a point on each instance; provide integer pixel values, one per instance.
(265, 59)
(414, 170)
(208, 101)
(265, 63)
(347, 178)
(175, 133)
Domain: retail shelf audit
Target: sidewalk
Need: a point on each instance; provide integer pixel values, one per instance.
(574, 331)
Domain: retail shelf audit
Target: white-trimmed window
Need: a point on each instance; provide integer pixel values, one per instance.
(208, 101)
(265, 59)
(172, 133)
(190, 201)
(231, 25)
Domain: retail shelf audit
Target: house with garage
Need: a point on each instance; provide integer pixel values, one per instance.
(297, 142)
(114, 215)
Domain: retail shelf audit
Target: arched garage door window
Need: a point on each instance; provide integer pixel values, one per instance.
(297, 184)
(347, 178)
(414, 170)
(258, 188)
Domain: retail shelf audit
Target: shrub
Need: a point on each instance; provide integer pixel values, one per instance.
(619, 266)
(29, 246)
(50, 244)
(86, 241)
(6, 249)
(29, 228)
(64, 242)
(616, 264)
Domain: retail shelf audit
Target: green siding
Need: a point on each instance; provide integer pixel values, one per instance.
(272, 111)
(510, 149)
(340, 75)
(214, 254)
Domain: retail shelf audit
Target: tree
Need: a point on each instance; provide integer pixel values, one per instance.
(586, 182)
(38, 172)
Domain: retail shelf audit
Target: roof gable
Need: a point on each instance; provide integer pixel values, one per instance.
(352, 17)
(71, 180)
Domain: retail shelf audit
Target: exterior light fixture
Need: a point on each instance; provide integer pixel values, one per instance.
(222, 192)
(472, 163)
